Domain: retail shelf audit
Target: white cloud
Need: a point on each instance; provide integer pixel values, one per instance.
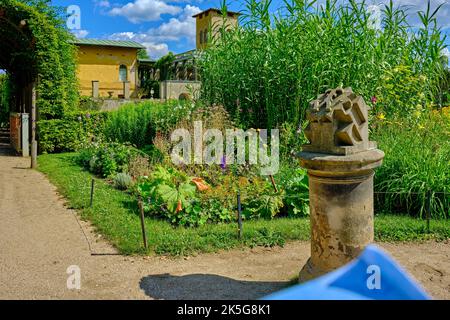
(176, 29)
(144, 10)
(156, 50)
(446, 52)
(80, 33)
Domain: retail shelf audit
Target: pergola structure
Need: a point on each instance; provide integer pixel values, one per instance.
(185, 67)
(40, 63)
(17, 57)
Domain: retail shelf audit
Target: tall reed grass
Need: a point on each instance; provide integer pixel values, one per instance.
(138, 123)
(415, 175)
(267, 70)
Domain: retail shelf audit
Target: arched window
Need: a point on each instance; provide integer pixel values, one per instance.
(123, 74)
(201, 36)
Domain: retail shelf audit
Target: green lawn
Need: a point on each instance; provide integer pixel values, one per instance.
(115, 215)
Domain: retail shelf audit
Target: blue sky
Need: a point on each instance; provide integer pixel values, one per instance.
(166, 25)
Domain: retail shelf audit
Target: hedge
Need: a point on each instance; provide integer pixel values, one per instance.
(70, 132)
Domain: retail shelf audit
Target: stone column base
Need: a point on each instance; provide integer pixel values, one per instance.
(341, 208)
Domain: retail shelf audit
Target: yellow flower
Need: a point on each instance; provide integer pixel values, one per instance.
(381, 116)
(417, 114)
(421, 127)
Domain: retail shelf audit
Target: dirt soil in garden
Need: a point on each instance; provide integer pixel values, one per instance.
(40, 238)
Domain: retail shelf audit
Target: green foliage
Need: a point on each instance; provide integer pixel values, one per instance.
(5, 98)
(263, 205)
(148, 85)
(294, 182)
(123, 181)
(400, 228)
(416, 162)
(142, 54)
(71, 132)
(165, 66)
(267, 71)
(395, 86)
(170, 193)
(106, 159)
(115, 215)
(138, 123)
(52, 56)
(267, 238)
(89, 104)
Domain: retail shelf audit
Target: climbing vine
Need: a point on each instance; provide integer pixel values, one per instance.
(50, 55)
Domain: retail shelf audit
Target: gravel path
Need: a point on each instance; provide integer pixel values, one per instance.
(40, 238)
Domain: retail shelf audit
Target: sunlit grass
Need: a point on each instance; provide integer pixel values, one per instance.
(115, 215)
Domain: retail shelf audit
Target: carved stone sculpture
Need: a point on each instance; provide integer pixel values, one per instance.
(340, 161)
(338, 123)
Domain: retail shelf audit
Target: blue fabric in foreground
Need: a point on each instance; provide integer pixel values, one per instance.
(374, 275)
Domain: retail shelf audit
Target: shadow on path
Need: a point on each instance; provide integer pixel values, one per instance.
(206, 287)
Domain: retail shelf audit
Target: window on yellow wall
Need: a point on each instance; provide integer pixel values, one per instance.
(123, 74)
(201, 36)
(205, 35)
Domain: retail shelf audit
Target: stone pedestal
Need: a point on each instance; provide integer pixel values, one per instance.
(340, 161)
(341, 208)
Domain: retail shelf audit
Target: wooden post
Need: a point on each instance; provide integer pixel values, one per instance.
(428, 209)
(91, 204)
(141, 213)
(33, 127)
(239, 215)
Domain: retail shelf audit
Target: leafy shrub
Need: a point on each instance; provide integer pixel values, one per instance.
(294, 183)
(171, 193)
(52, 55)
(416, 162)
(71, 132)
(88, 103)
(6, 89)
(123, 181)
(138, 123)
(106, 159)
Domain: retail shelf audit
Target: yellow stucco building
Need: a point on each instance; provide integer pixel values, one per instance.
(111, 69)
(209, 21)
(112, 64)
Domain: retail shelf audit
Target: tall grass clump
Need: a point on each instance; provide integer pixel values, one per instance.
(138, 123)
(415, 174)
(267, 70)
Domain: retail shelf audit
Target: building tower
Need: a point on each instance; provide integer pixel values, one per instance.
(211, 20)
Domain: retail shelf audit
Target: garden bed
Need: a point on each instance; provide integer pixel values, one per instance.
(115, 215)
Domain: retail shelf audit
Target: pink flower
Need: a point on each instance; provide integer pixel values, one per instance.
(374, 99)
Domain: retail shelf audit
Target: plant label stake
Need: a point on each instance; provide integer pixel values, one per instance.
(92, 193)
(273, 183)
(141, 213)
(239, 215)
(428, 195)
